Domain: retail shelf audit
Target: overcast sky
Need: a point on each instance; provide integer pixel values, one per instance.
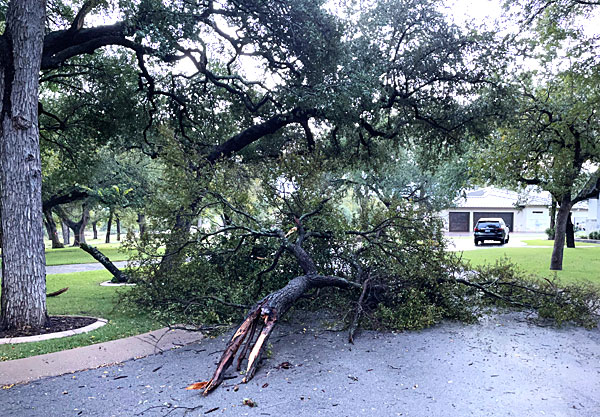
(480, 11)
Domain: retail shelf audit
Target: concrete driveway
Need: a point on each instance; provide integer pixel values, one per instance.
(464, 241)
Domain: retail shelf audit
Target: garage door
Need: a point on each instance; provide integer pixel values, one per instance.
(459, 221)
(508, 217)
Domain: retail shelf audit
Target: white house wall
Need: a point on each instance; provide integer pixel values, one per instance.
(535, 219)
(593, 218)
(530, 219)
(519, 218)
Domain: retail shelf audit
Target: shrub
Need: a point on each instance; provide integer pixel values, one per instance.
(577, 303)
(595, 235)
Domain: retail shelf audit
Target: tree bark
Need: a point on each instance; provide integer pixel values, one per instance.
(142, 223)
(66, 233)
(95, 229)
(552, 217)
(570, 232)
(559, 234)
(175, 242)
(103, 259)
(109, 225)
(23, 300)
(51, 230)
(118, 222)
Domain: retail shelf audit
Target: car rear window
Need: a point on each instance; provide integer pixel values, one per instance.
(488, 224)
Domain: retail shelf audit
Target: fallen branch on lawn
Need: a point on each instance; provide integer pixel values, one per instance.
(59, 292)
(119, 277)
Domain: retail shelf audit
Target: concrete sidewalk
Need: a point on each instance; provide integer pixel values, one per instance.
(65, 269)
(94, 356)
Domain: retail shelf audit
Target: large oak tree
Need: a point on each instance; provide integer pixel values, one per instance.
(155, 34)
(407, 72)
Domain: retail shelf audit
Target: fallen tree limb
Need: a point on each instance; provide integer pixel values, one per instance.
(359, 311)
(266, 313)
(59, 292)
(119, 277)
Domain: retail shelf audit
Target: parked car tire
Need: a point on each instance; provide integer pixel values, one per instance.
(476, 242)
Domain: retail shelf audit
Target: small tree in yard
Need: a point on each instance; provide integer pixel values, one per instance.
(551, 142)
(550, 136)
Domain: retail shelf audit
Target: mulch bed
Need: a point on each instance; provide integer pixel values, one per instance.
(54, 325)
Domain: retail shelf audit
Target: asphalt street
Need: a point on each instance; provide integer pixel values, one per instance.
(504, 366)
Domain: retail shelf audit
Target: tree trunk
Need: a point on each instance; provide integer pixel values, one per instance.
(51, 229)
(95, 229)
(118, 222)
(23, 300)
(65, 232)
(175, 242)
(109, 225)
(142, 224)
(119, 277)
(570, 232)
(77, 227)
(559, 234)
(552, 217)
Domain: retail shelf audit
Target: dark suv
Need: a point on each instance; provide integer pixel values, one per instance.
(491, 229)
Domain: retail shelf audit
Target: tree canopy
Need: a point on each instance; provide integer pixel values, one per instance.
(280, 149)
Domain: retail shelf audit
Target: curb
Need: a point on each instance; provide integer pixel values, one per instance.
(26, 370)
(588, 241)
(57, 335)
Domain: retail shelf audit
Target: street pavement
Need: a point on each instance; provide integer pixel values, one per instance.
(503, 366)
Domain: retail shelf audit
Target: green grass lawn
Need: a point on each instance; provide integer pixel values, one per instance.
(70, 255)
(579, 264)
(546, 242)
(85, 297)
(539, 242)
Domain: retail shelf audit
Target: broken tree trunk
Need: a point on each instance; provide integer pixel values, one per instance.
(119, 277)
(266, 313)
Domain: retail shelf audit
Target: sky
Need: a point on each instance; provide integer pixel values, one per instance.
(477, 10)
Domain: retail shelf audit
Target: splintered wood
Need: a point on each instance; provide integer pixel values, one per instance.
(245, 332)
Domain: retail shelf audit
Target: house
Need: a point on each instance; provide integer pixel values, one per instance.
(521, 212)
(593, 220)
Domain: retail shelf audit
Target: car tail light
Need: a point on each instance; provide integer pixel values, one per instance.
(476, 229)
